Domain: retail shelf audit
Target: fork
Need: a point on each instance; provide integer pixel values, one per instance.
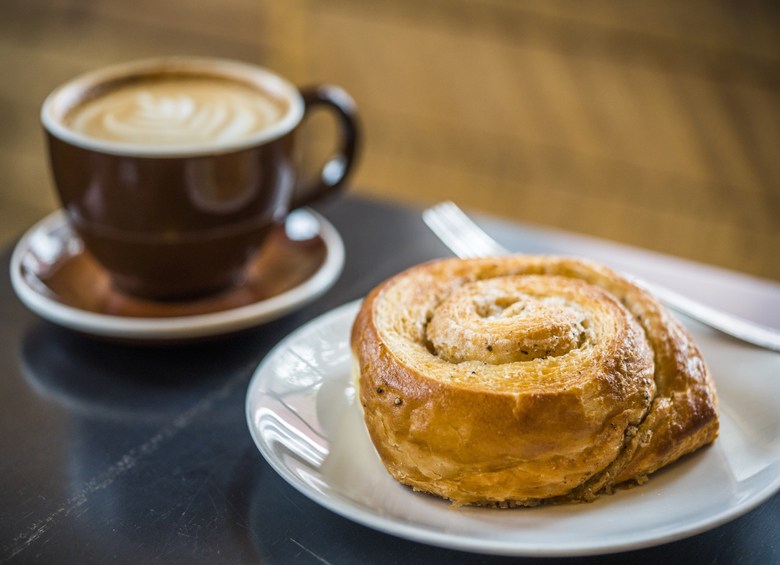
(467, 240)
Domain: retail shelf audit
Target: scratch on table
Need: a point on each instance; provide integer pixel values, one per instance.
(310, 552)
(292, 501)
(126, 462)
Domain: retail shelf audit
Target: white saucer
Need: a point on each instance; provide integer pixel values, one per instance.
(53, 276)
(304, 417)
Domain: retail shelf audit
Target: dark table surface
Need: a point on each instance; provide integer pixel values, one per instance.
(131, 454)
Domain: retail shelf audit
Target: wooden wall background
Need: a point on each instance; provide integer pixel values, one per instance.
(652, 123)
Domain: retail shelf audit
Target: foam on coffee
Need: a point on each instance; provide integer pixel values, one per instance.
(173, 107)
(175, 110)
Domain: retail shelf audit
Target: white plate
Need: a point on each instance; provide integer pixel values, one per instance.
(302, 413)
(51, 241)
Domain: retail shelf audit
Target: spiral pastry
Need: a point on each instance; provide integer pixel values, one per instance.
(519, 380)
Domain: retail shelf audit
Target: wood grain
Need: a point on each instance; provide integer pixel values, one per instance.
(651, 123)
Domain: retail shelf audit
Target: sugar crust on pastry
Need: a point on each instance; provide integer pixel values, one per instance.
(526, 379)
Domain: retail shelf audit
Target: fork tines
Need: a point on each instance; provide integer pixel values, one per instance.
(465, 238)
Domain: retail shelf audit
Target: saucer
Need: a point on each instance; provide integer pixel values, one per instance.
(59, 280)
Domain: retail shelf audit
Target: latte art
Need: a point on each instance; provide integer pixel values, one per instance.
(174, 111)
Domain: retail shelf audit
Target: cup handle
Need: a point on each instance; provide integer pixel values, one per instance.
(337, 168)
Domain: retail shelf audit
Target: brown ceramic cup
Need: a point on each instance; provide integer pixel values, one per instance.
(177, 213)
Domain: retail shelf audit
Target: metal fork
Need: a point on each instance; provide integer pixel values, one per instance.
(467, 240)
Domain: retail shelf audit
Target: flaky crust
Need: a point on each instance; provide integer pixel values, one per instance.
(517, 380)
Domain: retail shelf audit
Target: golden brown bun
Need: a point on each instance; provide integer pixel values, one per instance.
(517, 380)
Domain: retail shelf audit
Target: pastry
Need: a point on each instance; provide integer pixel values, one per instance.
(518, 380)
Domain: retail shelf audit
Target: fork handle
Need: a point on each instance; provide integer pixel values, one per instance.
(450, 223)
(724, 322)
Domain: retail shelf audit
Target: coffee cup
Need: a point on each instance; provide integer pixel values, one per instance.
(173, 171)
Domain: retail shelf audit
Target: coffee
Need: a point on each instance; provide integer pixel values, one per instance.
(174, 171)
(173, 107)
(175, 110)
